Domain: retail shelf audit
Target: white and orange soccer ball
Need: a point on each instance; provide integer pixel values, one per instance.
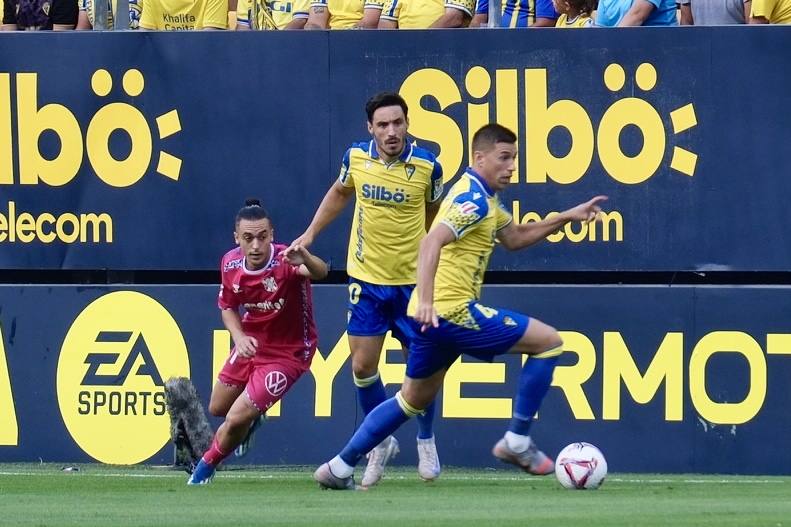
(580, 466)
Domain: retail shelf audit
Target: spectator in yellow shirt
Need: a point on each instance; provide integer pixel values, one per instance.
(184, 15)
(771, 12)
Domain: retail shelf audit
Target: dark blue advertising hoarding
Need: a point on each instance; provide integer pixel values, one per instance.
(662, 379)
(132, 151)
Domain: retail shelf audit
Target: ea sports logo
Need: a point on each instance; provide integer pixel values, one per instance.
(111, 372)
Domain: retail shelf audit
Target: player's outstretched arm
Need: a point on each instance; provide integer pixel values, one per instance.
(309, 265)
(427, 262)
(245, 345)
(333, 203)
(514, 237)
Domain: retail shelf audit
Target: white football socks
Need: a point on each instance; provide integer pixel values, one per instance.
(340, 468)
(517, 443)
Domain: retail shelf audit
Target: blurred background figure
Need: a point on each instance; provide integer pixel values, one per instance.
(344, 14)
(624, 13)
(770, 12)
(184, 15)
(410, 14)
(517, 13)
(34, 15)
(271, 14)
(574, 13)
(87, 14)
(714, 12)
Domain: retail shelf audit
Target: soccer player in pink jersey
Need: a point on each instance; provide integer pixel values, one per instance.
(275, 339)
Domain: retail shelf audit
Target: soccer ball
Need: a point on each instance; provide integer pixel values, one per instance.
(580, 466)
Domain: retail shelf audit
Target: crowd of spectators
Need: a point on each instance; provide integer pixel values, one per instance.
(389, 14)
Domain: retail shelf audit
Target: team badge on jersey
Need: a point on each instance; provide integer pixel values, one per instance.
(508, 321)
(237, 288)
(269, 284)
(409, 168)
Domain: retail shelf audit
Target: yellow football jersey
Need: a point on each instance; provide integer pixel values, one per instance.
(270, 14)
(184, 14)
(390, 211)
(474, 213)
(345, 14)
(413, 14)
(775, 11)
(578, 21)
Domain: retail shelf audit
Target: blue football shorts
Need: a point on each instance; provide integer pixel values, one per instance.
(375, 309)
(437, 348)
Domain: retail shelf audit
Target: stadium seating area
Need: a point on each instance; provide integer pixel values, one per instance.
(384, 14)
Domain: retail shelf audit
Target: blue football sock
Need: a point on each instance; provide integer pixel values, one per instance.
(370, 392)
(534, 383)
(380, 423)
(425, 422)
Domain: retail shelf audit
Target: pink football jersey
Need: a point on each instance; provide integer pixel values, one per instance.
(277, 303)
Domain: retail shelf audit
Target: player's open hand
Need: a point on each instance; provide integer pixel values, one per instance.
(426, 316)
(588, 211)
(296, 254)
(246, 346)
(305, 240)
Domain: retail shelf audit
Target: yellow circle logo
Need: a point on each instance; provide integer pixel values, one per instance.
(112, 370)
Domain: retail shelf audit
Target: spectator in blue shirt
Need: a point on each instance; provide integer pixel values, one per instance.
(612, 13)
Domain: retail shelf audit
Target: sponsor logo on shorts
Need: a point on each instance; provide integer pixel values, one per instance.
(276, 382)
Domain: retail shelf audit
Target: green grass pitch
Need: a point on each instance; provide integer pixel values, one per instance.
(99, 495)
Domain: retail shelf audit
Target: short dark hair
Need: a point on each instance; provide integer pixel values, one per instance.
(252, 211)
(380, 100)
(491, 134)
(585, 7)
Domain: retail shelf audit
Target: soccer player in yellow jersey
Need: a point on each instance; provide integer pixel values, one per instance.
(271, 14)
(180, 15)
(397, 188)
(344, 14)
(451, 320)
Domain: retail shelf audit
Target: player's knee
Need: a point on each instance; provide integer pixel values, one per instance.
(415, 398)
(217, 409)
(411, 403)
(554, 339)
(236, 421)
(364, 367)
(362, 381)
(550, 344)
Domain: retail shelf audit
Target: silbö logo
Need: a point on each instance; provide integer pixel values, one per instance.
(33, 121)
(54, 167)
